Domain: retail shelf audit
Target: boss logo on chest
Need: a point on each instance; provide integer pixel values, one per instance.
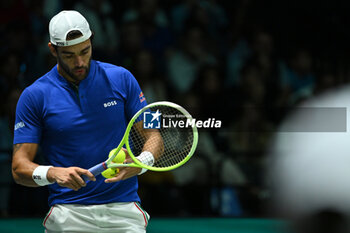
(110, 104)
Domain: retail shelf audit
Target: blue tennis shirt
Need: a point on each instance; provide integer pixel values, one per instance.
(80, 127)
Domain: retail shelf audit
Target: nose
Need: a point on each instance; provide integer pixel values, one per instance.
(79, 61)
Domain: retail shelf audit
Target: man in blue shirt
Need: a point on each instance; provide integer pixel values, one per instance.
(77, 113)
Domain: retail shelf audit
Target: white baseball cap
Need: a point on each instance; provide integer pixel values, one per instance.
(65, 22)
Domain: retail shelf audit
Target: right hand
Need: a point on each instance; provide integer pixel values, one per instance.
(70, 177)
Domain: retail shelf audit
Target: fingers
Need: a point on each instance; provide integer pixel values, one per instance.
(69, 181)
(87, 173)
(117, 178)
(77, 176)
(124, 173)
(127, 157)
(74, 180)
(72, 177)
(128, 160)
(73, 184)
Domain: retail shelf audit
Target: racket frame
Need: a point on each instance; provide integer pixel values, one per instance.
(137, 163)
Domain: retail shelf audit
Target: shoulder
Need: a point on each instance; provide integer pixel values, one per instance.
(37, 90)
(112, 69)
(116, 75)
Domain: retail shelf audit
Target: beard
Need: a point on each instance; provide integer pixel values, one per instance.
(70, 72)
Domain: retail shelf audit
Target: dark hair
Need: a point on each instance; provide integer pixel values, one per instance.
(73, 35)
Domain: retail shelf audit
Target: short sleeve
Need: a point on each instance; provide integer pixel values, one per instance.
(135, 97)
(28, 124)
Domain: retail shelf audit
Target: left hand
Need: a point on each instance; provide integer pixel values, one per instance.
(125, 172)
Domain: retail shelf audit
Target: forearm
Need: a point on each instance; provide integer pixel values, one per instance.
(22, 171)
(23, 165)
(154, 144)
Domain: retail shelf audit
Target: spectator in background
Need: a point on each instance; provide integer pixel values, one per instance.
(106, 34)
(7, 119)
(179, 13)
(209, 88)
(149, 10)
(130, 44)
(184, 63)
(251, 86)
(265, 57)
(155, 31)
(250, 132)
(325, 80)
(250, 127)
(236, 57)
(11, 75)
(260, 51)
(147, 73)
(51, 7)
(207, 14)
(297, 80)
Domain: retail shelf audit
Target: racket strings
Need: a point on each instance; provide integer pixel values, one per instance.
(170, 144)
(174, 154)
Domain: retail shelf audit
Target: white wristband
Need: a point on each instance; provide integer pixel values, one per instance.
(146, 158)
(39, 175)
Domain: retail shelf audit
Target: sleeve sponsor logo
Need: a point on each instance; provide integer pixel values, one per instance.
(142, 97)
(19, 125)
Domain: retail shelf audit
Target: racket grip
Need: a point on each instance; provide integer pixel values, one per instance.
(96, 170)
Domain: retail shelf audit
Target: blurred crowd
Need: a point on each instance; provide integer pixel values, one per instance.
(245, 62)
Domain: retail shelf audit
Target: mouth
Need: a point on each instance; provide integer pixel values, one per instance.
(79, 71)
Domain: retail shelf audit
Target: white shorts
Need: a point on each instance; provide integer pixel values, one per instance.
(121, 217)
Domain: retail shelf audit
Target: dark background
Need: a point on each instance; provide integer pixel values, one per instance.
(245, 62)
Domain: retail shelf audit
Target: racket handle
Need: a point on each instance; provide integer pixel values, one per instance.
(96, 170)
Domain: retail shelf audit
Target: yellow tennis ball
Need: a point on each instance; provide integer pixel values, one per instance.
(120, 158)
(112, 172)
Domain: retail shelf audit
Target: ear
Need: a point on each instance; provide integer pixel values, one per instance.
(52, 49)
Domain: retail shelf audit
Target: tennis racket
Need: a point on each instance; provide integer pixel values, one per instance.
(172, 144)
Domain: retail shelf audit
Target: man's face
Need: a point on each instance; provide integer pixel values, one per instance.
(74, 61)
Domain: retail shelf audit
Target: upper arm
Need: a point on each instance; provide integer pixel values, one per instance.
(28, 123)
(135, 97)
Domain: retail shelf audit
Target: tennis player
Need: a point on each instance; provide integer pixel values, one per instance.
(77, 113)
